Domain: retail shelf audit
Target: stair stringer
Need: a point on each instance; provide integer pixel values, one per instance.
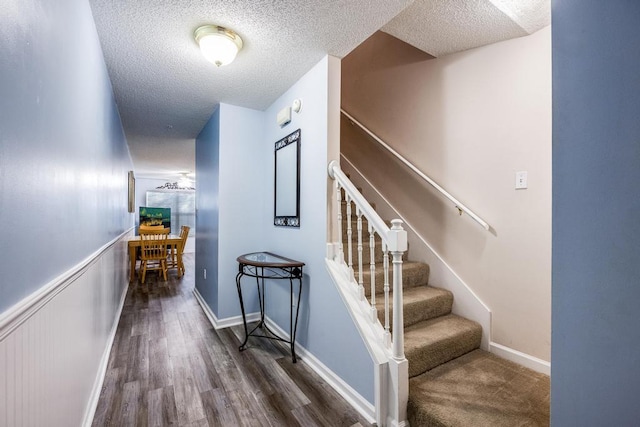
(391, 376)
(465, 303)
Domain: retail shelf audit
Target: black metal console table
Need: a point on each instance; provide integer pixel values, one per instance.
(265, 265)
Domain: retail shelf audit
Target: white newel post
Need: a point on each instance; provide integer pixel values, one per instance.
(398, 245)
(398, 364)
(392, 373)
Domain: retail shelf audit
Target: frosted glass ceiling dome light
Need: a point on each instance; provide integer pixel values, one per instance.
(219, 45)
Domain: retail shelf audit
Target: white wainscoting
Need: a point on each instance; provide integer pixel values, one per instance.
(55, 344)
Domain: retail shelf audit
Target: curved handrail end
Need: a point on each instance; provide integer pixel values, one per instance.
(333, 164)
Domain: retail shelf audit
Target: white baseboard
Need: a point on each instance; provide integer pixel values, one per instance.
(102, 369)
(359, 403)
(355, 399)
(523, 359)
(222, 323)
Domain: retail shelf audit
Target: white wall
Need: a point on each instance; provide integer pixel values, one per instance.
(55, 344)
(470, 121)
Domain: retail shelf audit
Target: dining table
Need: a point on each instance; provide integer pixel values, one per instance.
(133, 243)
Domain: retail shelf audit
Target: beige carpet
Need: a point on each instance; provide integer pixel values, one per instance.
(452, 383)
(479, 389)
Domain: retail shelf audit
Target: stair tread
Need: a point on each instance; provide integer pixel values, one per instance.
(419, 303)
(413, 274)
(415, 294)
(479, 388)
(407, 266)
(434, 330)
(432, 342)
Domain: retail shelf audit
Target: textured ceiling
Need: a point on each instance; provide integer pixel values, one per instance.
(441, 27)
(166, 90)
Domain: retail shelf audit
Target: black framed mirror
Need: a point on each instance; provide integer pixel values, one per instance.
(287, 181)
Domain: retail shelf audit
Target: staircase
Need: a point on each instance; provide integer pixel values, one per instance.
(452, 381)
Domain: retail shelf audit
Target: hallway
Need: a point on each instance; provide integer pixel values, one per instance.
(168, 366)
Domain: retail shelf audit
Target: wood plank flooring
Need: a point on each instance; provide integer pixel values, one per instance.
(168, 366)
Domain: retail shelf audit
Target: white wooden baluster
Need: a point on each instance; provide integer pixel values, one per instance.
(349, 238)
(360, 278)
(340, 245)
(372, 269)
(385, 260)
(398, 320)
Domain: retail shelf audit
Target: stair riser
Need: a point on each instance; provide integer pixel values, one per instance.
(414, 277)
(417, 311)
(422, 359)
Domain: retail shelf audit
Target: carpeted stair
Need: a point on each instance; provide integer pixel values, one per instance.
(452, 382)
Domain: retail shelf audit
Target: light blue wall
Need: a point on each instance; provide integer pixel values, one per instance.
(235, 169)
(63, 155)
(243, 179)
(208, 209)
(230, 203)
(595, 380)
(325, 327)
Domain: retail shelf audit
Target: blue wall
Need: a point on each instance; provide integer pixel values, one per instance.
(595, 380)
(242, 195)
(63, 155)
(325, 327)
(208, 209)
(235, 168)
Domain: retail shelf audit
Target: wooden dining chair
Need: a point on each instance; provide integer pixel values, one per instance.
(174, 260)
(150, 227)
(146, 227)
(153, 254)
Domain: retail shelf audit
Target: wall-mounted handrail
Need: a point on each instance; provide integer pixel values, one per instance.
(459, 205)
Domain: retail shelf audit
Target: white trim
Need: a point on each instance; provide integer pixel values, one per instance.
(523, 359)
(355, 399)
(102, 369)
(35, 331)
(466, 302)
(359, 403)
(222, 323)
(461, 207)
(19, 313)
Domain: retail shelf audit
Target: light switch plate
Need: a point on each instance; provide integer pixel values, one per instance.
(521, 180)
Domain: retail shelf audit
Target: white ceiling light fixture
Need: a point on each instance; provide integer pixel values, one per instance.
(219, 45)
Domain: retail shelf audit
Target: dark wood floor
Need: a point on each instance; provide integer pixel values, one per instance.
(168, 366)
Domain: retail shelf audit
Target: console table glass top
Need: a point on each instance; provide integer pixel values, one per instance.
(266, 265)
(267, 259)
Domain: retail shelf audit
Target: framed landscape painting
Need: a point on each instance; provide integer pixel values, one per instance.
(155, 216)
